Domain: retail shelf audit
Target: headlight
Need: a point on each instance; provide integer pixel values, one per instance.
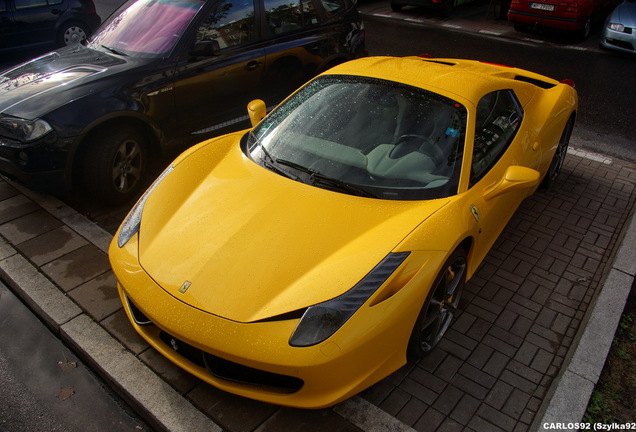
(616, 27)
(130, 225)
(322, 320)
(23, 130)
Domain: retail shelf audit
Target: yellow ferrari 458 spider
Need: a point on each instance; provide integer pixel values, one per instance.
(307, 258)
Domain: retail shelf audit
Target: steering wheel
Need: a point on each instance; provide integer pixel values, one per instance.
(430, 150)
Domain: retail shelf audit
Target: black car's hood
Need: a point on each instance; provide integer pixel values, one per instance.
(36, 87)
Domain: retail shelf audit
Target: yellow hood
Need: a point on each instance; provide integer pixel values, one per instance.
(236, 240)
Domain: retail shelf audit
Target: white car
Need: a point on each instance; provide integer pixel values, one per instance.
(620, 28)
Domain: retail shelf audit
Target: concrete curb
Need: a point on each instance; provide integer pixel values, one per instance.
(567, 400)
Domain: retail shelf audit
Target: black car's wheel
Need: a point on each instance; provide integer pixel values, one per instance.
(559, 155)
(115, 164)
(72, 33)
(442, 302)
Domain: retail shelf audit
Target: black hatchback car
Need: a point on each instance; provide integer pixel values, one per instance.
(158, 76)
(45, 24)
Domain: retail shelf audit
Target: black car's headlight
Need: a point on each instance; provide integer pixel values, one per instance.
(130, 225)
(23, 130)
(322, 320)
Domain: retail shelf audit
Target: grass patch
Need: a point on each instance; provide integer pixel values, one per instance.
(614, 398)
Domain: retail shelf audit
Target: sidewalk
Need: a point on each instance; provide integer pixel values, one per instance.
(537, 320)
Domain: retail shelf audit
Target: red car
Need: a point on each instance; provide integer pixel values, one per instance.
(574, 16)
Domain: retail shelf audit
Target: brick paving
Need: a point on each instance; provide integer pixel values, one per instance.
(519, 314)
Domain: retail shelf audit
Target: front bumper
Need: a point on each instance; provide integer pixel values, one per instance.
(255, 360)
(42, 164)
(619, 41)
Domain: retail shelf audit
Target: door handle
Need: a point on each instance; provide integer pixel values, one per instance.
(253, 65)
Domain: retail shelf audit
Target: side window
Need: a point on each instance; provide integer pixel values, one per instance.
(28, 4)
(230, 23)
(3, 6)
(285, 17)
(498, 118)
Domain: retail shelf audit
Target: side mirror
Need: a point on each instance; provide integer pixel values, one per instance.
(515, 178)
(257, 111)
(208, 48)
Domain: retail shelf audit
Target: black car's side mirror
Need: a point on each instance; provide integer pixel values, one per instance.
(207, 48)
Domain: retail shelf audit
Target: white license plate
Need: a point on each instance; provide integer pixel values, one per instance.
(542, 6)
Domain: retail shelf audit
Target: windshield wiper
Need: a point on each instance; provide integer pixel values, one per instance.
(270, 163)
(317, 178)
(114, 51)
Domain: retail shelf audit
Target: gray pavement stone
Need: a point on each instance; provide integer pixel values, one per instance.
(290, 420)
(29, 226)
(98, 297)
(119, 326)
(232, 412)
(51, 245)
(14, 207)
(368, 417)
(76, 267)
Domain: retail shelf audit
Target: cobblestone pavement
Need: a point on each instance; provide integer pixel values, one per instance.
(519, 317)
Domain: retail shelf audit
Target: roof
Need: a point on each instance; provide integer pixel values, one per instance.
(466, 79)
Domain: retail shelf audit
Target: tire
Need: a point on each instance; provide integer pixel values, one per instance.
(72, 33)
(441, 303)
(584, 33)
(559, 156)
(115, 164)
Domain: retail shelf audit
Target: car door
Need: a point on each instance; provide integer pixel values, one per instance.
(212, 90)
(7, 25)
(498, 120)
(35, 21)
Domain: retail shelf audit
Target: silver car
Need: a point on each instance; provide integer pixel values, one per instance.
(620, 28)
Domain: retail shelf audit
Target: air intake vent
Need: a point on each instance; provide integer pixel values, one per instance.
(538, 83)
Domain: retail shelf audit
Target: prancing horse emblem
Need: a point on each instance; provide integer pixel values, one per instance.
(185, 287)
(473, 210)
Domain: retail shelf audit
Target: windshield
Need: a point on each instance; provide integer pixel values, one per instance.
(148, 28)
(365, 137)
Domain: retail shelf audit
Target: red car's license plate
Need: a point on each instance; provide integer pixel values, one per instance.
(542, 6)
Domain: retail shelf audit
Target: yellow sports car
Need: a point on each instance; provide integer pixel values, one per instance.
(303, 260)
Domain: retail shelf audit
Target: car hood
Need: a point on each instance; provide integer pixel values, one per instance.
(37, 86)
(625, 14)
(238, 241)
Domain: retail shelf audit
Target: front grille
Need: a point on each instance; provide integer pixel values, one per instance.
(230, 371)
(621, 44)
(221, 368)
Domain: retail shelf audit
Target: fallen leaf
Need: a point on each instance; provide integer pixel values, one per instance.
(66, 393)
(67, 366)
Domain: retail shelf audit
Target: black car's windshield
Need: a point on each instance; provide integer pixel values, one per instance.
(147, 28)
(365, 137)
